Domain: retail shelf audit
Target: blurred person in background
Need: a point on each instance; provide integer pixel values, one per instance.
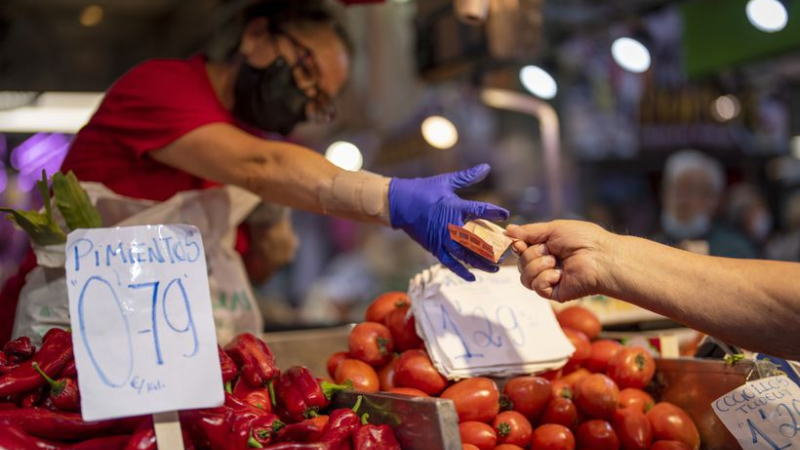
(693, 185)
(785, 246)
(747, 210)
(172, 125)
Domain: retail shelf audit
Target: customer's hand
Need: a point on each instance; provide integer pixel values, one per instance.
(272, 246)
(564, 259)
(423, 207)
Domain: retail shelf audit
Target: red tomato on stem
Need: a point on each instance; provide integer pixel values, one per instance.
(561, 388)
(508, 447)
(635, 398)
(632, 367)
(573, 378)
(408, 391)
(597, 396)
(632, 428)
(512, 428)
(361, 374)
(528, 395)
(561, 411)
(596, 435)
(478, 434)
(670, 445)
(402, 325)
(333, 362)
(583, 348)
(601, 353)
(476, 399)
(553, 437)
(386, 374)
(469, 447)
(671, 423)
(415, 370)
(384, 304)
(371, 342)
(581, 319)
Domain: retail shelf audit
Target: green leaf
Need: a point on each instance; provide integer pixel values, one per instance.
(74, 203)
(40, 228)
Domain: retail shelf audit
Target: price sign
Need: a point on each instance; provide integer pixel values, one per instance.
(143, 329)
(762, 414)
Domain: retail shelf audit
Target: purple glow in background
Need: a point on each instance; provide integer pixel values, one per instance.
(3, 177)
(41, 151)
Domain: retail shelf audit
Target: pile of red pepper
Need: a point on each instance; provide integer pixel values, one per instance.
(264, 408)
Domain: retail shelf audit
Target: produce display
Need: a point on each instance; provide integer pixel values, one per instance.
(264, 407)
(596, 401)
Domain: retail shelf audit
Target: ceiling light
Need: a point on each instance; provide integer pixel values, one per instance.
(631, 55)
(91, 16)
(725, 108)
(769, 16)
(345, 155)
(439, 132)
(538, 82)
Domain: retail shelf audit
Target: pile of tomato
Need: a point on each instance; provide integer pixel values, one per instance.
(598, 400)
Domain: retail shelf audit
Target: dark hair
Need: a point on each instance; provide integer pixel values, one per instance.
(279, 14)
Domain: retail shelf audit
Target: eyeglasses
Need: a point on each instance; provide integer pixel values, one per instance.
(306, 72)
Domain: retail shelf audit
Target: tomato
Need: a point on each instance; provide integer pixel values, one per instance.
(632, 367)
(583, 348)
(561, 388)
(384, 304)
(371, 342)
(469, 447)
(415, 370)
(333, 362)
(512, 428)
(581, 319)
(553, 437)
(635, 398)
(407, 391)
(573, 378)
(476, 399)
(671, 423)
(386, 374)
(361, 374)
(597, 396)
(633, 429)
(551, 374)
(508, 447)
(561, 411)
(670, 445)
(596, 435)
(601, 352)
(528, 395)
(478, 434)
(403, 328)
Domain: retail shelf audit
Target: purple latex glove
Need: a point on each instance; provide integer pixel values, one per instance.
(423, 207)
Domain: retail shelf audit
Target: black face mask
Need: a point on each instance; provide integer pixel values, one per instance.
(269, 98)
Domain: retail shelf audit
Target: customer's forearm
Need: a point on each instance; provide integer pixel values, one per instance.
(754, 304)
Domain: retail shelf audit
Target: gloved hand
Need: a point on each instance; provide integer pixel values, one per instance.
(423, 207)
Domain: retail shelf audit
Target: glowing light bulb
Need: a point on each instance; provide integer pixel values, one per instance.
(538, 82)
(345, 155)
(726, 107)
(439, 132)
(631, 54)
(769, 16)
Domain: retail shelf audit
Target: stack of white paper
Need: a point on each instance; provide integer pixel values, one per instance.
(492, 326)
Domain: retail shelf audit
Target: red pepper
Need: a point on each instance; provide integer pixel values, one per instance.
(208, 428)
(264, 429)
(55, 353)
(375, 437)
(241, 425)
(145, 439)
(14, 438)
(254, 358)
(300, 395)
(308, 430)
(229, 369)
(341, 427)
(31, 399)
(66, 426)
(102, 443)
(70, 370)
(19, 350)
(258, 397)
(299, 446)
(5, 364)
(7, 405)
(64, 392)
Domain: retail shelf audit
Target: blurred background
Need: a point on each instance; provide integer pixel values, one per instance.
(675, 120)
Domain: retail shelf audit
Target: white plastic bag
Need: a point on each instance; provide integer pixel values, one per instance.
(216, 212)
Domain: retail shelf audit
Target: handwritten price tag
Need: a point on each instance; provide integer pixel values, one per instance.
(143, 329)
(762, 414)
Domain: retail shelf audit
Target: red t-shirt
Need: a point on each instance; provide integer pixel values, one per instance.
(149, 107)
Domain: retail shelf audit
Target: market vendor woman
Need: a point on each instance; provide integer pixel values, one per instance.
(173, 125)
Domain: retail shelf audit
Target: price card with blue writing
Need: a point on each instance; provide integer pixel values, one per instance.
(762, 414)
(142, 323)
